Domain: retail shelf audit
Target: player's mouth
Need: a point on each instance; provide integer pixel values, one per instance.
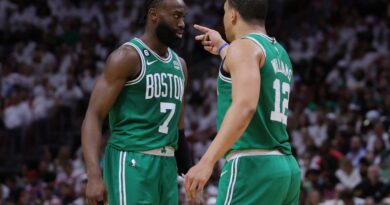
(180, 33)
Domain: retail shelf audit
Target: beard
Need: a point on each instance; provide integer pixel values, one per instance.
(167, 35)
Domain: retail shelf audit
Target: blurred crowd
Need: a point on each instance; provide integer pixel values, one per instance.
(52, 51)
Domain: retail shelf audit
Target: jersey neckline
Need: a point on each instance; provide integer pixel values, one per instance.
(164, 60)
(271, 39)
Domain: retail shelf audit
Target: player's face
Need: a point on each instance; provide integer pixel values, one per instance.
(227, 21)
(170, 25)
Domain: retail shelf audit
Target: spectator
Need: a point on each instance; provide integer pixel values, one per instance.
(347, 174)
(52, 51)
(371, 187)
(378, 135)
(357, 152)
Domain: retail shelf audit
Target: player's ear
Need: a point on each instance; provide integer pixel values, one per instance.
(153, 14)
(234, 15)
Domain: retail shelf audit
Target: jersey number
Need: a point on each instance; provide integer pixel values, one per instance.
(163, 109)
(279, 114)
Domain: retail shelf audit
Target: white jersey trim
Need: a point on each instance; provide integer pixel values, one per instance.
(271, 39)
(259, 44)
(232, 182)
(181, 66)
(143, 67)
(224, 78)
(164, 60)
(122, 178)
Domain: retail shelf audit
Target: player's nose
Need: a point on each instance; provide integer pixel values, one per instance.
(181, 24)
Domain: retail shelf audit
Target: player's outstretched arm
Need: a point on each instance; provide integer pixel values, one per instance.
(212, 41)
(243, 62)
(121, 64)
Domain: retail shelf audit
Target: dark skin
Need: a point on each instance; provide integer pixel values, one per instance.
(122, 64)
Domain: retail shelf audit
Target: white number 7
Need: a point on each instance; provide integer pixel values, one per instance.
(163, 109)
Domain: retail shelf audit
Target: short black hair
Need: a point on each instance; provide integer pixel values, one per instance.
(150, 4)
(252, 11)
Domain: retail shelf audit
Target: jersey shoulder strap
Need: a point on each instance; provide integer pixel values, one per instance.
(139, 49)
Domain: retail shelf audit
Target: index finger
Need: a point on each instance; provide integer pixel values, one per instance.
(202, 29)
(200, 37)
(187, 184)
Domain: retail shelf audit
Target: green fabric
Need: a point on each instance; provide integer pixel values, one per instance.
(260, 180)
(134, 178)
(147, 110)
(267, 129)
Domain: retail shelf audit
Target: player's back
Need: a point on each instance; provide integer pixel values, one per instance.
(267, 128)
(146, 112)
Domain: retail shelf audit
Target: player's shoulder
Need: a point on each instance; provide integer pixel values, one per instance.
(182, 61)
(124, 54)
(243, 44)
(243, 47)
(184, 66)
(244, 50)
(124, 60)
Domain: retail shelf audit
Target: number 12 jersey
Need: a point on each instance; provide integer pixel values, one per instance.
(267, 128)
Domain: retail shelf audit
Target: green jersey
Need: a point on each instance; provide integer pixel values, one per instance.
(147, 110)
(267, 128)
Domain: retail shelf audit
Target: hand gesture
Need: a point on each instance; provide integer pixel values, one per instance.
(210, 39)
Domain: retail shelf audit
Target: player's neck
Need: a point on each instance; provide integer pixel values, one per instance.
(245, 29)
(153, 43)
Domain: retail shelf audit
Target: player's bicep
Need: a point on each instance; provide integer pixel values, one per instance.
(104, 95)
(121, 64)
(243, 64)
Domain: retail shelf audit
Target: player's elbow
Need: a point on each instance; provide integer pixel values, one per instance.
(250, 110)
(247, 108)
(91, 118)
(94, 114)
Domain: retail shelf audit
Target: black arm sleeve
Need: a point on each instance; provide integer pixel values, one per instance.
(184, 159)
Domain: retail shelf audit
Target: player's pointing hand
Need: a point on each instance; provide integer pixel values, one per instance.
(210, 39)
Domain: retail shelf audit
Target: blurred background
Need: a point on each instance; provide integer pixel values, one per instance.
(52, 51)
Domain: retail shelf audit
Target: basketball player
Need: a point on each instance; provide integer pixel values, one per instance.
(141, 90)
(253, 91)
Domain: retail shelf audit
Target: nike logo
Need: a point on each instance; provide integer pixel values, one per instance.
(223, 173)
(150, 62)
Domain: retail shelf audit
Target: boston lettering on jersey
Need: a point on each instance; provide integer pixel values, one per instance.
(147, 111)
(164, 85)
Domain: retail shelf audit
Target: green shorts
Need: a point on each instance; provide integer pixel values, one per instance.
(260, 180)
(135, 178)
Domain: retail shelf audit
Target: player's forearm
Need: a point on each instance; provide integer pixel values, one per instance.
(236, 120)
(90, 140)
